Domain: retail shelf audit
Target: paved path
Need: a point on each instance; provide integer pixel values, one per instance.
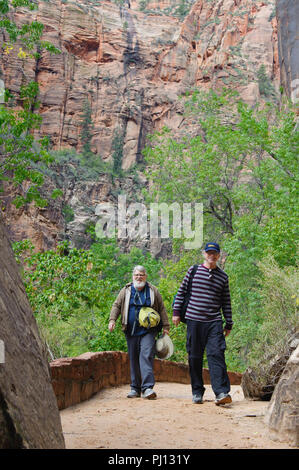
(109, 420)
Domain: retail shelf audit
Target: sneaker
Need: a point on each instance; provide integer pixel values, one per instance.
(133, 394)
(149, 394)
(197, 398)
(223, 399)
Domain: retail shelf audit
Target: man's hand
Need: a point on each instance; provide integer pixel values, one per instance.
(226, 332)
(165, 332)
(176, 320)
(111, 325)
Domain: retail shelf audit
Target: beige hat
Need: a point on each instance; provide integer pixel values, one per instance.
(164, 347)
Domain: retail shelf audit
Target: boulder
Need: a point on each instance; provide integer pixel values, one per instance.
(29, 416)
(252, 388)
(282, 413)
(259, 383)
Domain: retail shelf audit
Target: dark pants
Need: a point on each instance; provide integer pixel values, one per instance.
(209, 336)
(141, 351)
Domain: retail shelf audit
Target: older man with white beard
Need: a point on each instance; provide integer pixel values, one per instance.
(140, 340)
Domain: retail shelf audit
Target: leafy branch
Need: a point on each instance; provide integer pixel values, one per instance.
(19, 151)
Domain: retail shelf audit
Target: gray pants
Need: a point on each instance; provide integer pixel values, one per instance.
(141, 351)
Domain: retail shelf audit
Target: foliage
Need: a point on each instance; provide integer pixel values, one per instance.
(117, 147)
(88, 159)
(87, 126)
(18, 149)
(67, 163)
(177, 9)
(280, 303)
(265, 86)
(242, 165)
(71, 292)
(143, 5)
(68, 213)
(183, 9)
(28, 34)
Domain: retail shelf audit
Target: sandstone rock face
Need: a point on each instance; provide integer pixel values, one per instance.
(287, 12)
(132, 67)
(29, 416)
(282, 414)
(40, 225)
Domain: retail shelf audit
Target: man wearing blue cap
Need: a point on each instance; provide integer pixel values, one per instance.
(209, 299)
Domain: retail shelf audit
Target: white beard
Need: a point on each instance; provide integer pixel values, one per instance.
(138, 284)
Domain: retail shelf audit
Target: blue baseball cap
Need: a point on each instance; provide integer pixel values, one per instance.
(212, 246)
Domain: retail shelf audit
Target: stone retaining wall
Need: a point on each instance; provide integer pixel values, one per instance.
(76, 379)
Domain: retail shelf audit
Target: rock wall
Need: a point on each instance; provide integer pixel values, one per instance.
(29, 416)
(282, 415)
(40, 225)
(76, 379)
(130, 68)
(287, 12)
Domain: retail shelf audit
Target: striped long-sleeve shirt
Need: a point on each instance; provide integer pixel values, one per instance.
(210, 296)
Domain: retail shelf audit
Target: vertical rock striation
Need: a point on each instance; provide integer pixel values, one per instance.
(29, 416)
(287, 12)
(282, 415)
(131, 68)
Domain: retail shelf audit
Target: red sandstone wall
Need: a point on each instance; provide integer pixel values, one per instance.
(76, 379)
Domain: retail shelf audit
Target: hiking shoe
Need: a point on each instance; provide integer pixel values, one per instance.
(149, 394)
(223, 399)
(197, 398)
(133, 394)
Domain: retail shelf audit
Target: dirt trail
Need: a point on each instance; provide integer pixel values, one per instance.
(109, 420)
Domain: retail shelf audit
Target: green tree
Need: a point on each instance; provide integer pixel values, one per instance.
(19, 152)
(29, 35)
(280, 304)
(266, 88)
(242, 166)
(117, 147)
(183, 9)
(71, 292)
(87, 126)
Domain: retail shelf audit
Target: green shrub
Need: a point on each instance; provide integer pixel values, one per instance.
(279, 305)
(71, 292)
(265, 86)
(68, 213)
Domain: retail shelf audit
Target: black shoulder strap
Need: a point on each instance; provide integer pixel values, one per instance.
(191, 276)
(148, 296)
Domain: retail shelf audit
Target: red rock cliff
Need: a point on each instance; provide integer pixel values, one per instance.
(132, 66)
